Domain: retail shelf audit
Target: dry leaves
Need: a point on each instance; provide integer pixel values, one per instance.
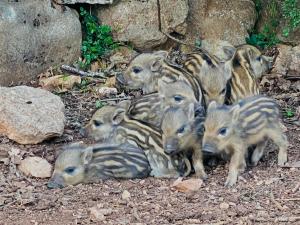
(97, 213)
(126, 195)
(187, 185)
(59, 83)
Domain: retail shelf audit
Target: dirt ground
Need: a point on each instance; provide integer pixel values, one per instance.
(265, 194)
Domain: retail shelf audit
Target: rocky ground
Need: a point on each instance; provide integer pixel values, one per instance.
(265, 194)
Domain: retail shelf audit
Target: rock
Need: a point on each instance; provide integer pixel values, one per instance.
(287, 62)
(224, 205)
(36, 167)
(30, 115)
(34, 35)
(224, 20)
(137, 21)
(125, 195)
(102, 2)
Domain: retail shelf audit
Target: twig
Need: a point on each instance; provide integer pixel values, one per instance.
(295, 189)
(277, 204)
(82, 73)
(288, 199)
(114, 99)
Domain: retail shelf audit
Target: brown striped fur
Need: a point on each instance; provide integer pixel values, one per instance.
(233, 80)
(234, 128)
(78, 163)
(111, 123)
(179, 135)
(146, 69)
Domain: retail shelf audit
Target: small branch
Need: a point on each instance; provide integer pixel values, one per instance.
(288, 199)
(114, 99)
(277, 204)
(82, 73)
(295, 189)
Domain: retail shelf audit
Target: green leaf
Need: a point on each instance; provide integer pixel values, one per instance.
(99, 104)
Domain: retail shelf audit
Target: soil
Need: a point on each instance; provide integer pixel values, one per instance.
(265, 194)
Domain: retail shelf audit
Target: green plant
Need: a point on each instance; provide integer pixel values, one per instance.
(291, 12)
(278, 11)
(267, 37)
(98, 39)
(289, 113)
(99, 104)
(198, 43)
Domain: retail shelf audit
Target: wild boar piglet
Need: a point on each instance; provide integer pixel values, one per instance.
(111, 124)
(180, 135)
(85, 164)
(234, 128)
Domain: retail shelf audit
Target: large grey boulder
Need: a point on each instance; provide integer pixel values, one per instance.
(137, 21)
(220, 19)
(34, 35)
(30, 115)
(84, 1)
(287, 62)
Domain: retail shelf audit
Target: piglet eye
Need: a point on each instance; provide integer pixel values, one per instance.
(258, 58)
(223, 131)
(70, 170)
(178, 98)
(223, 92)
(97, 123)
(137, 69)
(181, 130)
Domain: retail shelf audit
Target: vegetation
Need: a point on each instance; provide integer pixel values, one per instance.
(289, 113)
(285, 10)
(98, 39)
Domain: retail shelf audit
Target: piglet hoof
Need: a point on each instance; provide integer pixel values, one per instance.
(202, 176)
(282, 160)
(231, 181)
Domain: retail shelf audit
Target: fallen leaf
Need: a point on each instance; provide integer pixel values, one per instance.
(98, 214)
(125, 195)
(95, 66)
(224, 205)
(59, 83)
(110, 82)
(187, 185)
(36, 167)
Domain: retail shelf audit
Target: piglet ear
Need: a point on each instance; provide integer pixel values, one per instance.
(125, 104)
(229, 51)
(159, 57)
(162, 85)
(156, 65)
(235, 111)
(212, 106)
(87, 155)
(191, 112)
(118, 116)
(161, 54)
